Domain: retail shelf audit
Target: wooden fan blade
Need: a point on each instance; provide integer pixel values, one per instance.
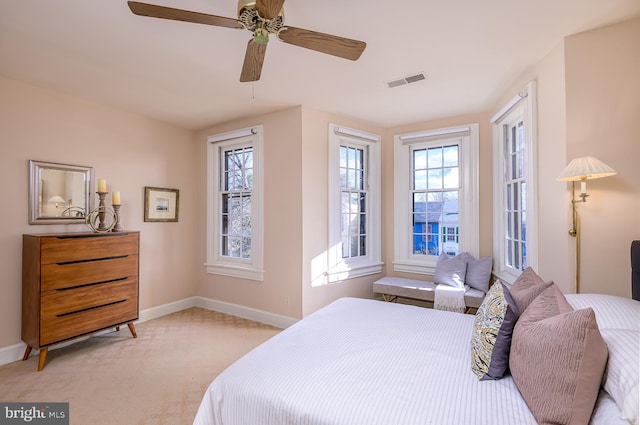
(253, 60)
(155, 11)
(325, 43)
(269, 9)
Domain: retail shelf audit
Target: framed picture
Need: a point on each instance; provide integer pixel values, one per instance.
(160, 204)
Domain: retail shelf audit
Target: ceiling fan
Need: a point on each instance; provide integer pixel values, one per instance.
(262, 17)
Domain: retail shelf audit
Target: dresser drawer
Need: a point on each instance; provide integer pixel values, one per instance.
(67, 275)
(62, 249)
(58, 328)
(69, 301)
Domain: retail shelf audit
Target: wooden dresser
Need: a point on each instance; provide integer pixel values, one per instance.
(74, 284)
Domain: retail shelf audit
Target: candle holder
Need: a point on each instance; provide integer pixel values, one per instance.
(101, 224)
(116, 209)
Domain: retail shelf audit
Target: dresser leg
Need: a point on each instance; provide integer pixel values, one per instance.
(132, 329)
(27, 351)
(42, 358)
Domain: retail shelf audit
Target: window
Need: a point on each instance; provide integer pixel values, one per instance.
(353, 201)
(435, 196)
(234, 204)
(354, 204)
(515, 233)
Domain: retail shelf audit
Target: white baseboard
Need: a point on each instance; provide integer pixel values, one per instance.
(163, 310)
(15, 352)
(12, 353)
(256, 315)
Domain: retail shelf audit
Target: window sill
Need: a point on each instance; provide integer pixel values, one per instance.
(234, 271)
(414, 267)
(350, 272)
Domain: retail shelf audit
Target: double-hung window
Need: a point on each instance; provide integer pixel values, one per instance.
(435, 196)
(354, 203)
(514, 197)
(234, 204)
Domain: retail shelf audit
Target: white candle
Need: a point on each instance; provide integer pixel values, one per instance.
(115, 198)
(102, 185)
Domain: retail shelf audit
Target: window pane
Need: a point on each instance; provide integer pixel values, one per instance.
(434, 157)
(451, 178)
(345, 202)
(420, 180)
(248, 180)
(351, 158)
(450, 156)
(420, 159)
(435, 179)
(351, 179)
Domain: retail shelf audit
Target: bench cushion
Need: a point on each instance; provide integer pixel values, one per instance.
(420, 290)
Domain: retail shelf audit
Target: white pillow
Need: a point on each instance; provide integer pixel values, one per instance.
(621, 375)
(618, 319)
(612, 312)
(451, 271)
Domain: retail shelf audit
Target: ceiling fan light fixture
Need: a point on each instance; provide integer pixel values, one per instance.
(261, 36)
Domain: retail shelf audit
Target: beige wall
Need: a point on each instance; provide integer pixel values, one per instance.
(129, 151)
(603, 120)
(317, 292)
(295, 207)
(554, 255)
(280, 292)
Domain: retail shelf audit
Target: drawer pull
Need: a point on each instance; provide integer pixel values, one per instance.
(90, 308)
(64, 263)
(92, 284)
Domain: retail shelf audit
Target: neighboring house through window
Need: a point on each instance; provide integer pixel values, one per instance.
(354, 204)
(514, 197)
(234, 204)
(435, 196)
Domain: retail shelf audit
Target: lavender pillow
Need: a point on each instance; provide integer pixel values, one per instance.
(479, 273)
(451, 271)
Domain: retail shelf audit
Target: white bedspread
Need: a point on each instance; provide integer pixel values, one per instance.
(363, 362)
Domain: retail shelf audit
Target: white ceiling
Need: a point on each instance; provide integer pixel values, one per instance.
(187, 74)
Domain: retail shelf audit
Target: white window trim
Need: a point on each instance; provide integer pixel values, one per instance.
(339, 268)
(404, 259)
(523, 106)
(217, 263)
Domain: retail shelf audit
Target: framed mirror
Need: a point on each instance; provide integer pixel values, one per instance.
(59, 193)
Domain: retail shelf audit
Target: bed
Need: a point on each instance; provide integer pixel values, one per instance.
(359, 361)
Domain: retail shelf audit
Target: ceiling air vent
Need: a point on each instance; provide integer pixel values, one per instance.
(406, 80)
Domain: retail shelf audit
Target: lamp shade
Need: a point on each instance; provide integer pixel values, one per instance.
(57, 198)
(585, 168)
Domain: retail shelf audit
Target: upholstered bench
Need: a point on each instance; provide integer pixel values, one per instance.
(393, 287)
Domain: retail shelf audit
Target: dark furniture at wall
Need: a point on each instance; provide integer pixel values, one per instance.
(635, 270)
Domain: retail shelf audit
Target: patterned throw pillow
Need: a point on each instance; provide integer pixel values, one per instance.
(492, 330)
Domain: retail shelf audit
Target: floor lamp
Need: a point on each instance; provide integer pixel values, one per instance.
(582, 169)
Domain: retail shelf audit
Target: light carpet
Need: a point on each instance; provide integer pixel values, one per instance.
(158, 378)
